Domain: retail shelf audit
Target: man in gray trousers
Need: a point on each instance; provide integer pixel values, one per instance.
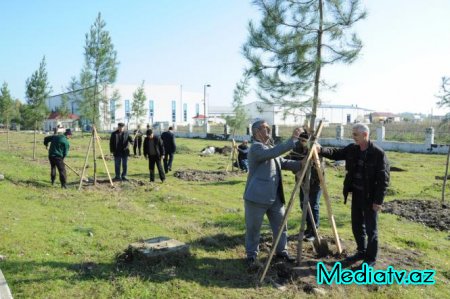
(264, 190)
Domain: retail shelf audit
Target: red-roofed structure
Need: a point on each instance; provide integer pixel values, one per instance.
(55, 120)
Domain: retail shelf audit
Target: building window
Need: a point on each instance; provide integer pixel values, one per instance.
(184, 112)
(197, 109)
(174, 111)
(127, 108)
(151, 110)
(112, 109)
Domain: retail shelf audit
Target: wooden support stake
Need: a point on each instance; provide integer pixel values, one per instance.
(327, 199)
(103, 156)
(85, 162)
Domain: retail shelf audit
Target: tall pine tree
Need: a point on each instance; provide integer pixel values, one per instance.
(293, 42)
(100, 69)
(38, 90)
(7, 105)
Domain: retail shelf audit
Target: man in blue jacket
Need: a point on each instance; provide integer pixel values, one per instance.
(264, 189)
(367, 180)
(59, 149)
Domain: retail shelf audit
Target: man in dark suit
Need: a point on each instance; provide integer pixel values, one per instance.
(118, 146)
(154, 151)
(170, 147)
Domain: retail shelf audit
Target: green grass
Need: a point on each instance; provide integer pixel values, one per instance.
(50, 235)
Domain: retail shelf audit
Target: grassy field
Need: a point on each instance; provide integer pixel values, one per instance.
(64, 243)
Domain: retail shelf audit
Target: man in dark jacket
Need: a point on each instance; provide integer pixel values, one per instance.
(154, 151)
(367, 179)
(242, 155)
(315, 191)
(119, 147)
(59, 148)
(170, 147)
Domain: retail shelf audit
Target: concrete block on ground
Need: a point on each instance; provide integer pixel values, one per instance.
(159, 249)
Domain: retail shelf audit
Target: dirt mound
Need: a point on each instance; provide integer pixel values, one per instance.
(430, 213)
(202, 176)
(303, 276)
(104, 184)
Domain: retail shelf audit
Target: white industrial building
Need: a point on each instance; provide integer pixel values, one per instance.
(335, 114)
(167, 104)
(170, 104)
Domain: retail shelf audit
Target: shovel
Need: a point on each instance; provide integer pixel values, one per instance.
(320, 245)
(68, 166)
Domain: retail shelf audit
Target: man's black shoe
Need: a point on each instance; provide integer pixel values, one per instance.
(64, 186)
(309, 237)
(125, 179)
(358, 256)
(250, 261)
(370, 263)
(253, 265)
(285, 257)
(116, 179)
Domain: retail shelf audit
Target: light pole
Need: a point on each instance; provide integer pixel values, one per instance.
(204, 107)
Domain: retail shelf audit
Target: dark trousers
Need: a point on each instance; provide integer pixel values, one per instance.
(120, 160)
(314, 202)
(58, 162)
(137, 145)
(168, 159)
(364, 226)
(152, 160)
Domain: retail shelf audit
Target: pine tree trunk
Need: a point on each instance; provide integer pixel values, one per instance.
(94, 136)
(318, 69)
(34, 143)
(7, 132)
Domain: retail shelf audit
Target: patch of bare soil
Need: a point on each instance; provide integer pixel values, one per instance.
(427, 212)
(203, 176)
(303, 276)
(104, 184)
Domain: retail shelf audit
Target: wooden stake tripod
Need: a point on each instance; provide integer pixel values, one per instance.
(233, 156)
(312, 156)
(96, 140)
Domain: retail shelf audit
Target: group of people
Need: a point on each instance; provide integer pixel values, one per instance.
(155, 149)
(367, 179)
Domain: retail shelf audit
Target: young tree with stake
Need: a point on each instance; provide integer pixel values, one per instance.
(293, 42)
(38, 90)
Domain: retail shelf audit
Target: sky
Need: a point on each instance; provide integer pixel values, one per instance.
(192, 43)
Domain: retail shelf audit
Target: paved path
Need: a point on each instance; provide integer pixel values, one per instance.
(5, 293)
